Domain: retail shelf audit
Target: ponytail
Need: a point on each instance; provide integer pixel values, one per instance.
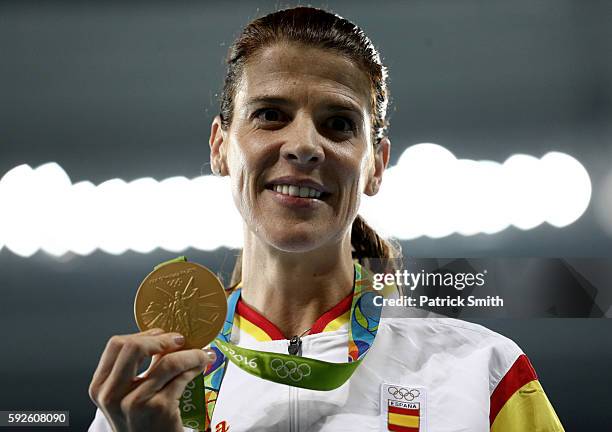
(371, 250)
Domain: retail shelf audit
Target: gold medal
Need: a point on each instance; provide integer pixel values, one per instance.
(182, 297)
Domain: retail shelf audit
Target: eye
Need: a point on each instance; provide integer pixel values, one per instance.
(269, 115)
(341, 124)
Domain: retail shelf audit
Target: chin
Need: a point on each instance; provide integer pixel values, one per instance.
(295, 240)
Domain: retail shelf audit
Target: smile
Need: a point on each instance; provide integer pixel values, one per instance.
(297, 191)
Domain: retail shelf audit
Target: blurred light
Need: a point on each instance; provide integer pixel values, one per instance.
(43, 210)
(429, 192)
(604, 205)
(432, 193)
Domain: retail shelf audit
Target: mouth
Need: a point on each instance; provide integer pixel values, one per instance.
(306, 189)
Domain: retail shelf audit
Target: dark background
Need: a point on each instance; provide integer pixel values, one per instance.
(128, 89)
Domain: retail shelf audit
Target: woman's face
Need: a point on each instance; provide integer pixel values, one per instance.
(299, 149)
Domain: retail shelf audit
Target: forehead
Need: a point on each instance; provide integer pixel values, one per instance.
(290, 70)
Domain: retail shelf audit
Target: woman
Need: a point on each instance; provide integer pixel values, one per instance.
(302, 134)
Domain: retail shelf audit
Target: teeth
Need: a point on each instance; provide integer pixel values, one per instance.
(294, 190)
(297, 191)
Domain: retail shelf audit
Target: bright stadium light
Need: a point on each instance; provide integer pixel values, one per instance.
(432, 193)
(429, 192)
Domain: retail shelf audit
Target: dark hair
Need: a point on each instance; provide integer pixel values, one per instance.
(320, 29)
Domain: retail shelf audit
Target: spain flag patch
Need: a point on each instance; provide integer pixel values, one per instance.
(403, 416)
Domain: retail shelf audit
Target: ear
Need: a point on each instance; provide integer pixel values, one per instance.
(218, 148)
(381, 160)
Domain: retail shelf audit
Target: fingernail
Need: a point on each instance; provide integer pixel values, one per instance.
(212, 356)
(179, 339)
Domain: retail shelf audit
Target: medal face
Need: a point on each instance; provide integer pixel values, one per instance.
(182, 297)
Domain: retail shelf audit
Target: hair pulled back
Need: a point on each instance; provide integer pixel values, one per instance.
(319, 29)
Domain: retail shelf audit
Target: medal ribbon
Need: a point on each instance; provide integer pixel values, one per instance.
(198, 401)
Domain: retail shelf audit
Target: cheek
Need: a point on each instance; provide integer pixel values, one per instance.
(360, 170)
(354, 175)
(237, 165)
(247, 161)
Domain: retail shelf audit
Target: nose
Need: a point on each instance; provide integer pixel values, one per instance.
(303, 147)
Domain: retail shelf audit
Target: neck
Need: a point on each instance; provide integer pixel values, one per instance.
(293, 289)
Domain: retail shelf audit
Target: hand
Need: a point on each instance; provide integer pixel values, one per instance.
(149, 402)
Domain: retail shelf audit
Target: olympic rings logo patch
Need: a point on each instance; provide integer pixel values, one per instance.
(401, 393)
(290, 369)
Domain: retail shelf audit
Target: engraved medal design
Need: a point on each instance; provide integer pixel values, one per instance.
(182, 297)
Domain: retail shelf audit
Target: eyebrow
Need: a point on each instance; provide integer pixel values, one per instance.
(273, 100)
(335, 106)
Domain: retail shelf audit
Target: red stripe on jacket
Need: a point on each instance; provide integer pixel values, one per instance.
(244, 310)
(519, 374)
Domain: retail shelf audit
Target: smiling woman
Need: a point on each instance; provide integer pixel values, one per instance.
(300, 149)
(306, 82)
(302, 135)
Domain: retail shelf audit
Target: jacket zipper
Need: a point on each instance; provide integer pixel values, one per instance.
(295, 348)
(293, 410)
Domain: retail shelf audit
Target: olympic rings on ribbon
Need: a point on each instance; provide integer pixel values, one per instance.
(290, 369)
(402, 393)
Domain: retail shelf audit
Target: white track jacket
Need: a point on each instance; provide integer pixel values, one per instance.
(421, 375)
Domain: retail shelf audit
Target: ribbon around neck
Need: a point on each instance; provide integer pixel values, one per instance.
(198, 401)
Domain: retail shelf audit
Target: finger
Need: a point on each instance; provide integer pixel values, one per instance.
(175, 388)
(168, 368)
(165, 401)
(145, 374)
(152, 332)
(110, 353)
(105, 365)
(134, 350)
